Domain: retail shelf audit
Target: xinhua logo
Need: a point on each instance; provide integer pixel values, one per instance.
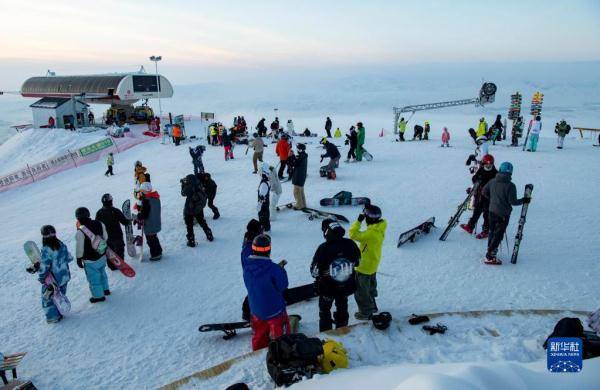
(565, 354)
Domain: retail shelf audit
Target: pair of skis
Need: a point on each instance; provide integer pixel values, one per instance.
(520, 227)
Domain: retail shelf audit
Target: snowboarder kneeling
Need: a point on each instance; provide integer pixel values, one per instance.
(502, 195)
(333, 153)
(418, 132)
(55, 260)
(265, 282)
(371, 242)
(333, 268)
(90, 259)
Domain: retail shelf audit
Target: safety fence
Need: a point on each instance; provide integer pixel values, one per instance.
(69, 159)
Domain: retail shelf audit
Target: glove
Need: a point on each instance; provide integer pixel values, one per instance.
(33, 269)
(526, 200)
(361, 217)
(80, 263)
(283, 263)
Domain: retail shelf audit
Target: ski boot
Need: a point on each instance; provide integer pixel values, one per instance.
(191, 242)
(156, 258)
(216, 215)
(491, 259)
(209, 235)
(466, 228)
(482, 235)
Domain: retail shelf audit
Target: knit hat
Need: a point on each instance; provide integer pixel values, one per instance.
(261, 245)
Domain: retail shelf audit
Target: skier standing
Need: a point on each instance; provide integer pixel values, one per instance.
(90, 259)
(561, 129)
(401, 129)
(536, 129)
(482, 128)
(112, 218)
(299, 176)
(210, 188)
(55, 259)
(110, 161)
(502, 195)
(360, 141)
(150, 214)
(283, 151)
(195, 200)
(263, 205)
(445, 137)
(265, 282)
(328, 125)
(351, 139)
(371, 242)
(333, 153)
(275, 189)
(333, 268)
(426, 131)
(486, 172)
(196, 155)
(258, 145)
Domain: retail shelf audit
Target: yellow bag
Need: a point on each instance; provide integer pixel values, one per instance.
(334, 356)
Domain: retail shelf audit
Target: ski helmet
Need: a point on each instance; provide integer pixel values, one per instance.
(487, 159)
(323, 141)
(372, 213)
(138, 163)
(107, 200)
(301, 146)
(334, 356)
(261, 245)
(382, 320)
(82, 213)
(48, 231)
(506, 167)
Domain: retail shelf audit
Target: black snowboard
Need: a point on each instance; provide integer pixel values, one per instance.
(318, 214)
(228, 327)
(345, 202)
(520, 227)
(413, 234)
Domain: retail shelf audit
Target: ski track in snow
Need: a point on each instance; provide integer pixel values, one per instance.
(146, 334)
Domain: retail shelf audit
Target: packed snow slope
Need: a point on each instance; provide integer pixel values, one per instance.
(146, 334)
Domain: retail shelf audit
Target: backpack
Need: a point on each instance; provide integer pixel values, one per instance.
(292, 357)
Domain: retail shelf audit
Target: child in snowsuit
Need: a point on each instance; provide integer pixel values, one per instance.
(275, 192)
(561, 129)
(371, 242)
(210, 187)
(536, 129)
(92, 260)
(265, 282)
(54, 261)
(445, 137)
(482, 128)
(110, 161)
(502, 195)
(196, 155)
(333, 268)
(263, 205)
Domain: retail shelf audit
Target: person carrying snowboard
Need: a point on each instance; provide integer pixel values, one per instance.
(92, 260)
(328, 125)
(371, 242)
(536, 129)
(110, 161)
(352, 140)
(112, 218)
(210, 187)
(401, 130)
(263, 205)
(55, 259)
(196, 154)
(265, 282)
(486, 172)
(360, 141)
(445, 137)
(299, 176)
(333, 153)
(561, 129)
(258, 145)
(283, 151)
(502, 195)
(333, 269)
(195, 200)
(150, 214)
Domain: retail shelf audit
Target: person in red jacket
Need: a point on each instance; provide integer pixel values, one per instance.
(283, 151)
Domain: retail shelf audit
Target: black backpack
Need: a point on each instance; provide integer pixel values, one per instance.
(292, 357)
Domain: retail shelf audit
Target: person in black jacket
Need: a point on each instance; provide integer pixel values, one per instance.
(333, 153)
(333, 267)
(352, 140)
(261, 128)
(195, 200)
(210, 187)
(328, 125)
(299, 176)
(196, 155)
(113, 218)
(418, 134)
(486, 172)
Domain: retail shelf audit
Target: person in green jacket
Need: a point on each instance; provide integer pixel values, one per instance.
(401, 129)
(110, 161)
(371, 242)
(482, 128)
(361, 141)
(561, 129)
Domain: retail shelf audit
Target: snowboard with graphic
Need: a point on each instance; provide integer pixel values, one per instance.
(413, 234)
(126, 209)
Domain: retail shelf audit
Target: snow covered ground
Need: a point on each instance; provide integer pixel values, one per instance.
(146, 334)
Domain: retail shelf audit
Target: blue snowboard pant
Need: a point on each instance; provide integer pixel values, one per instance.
(95, 272)
(52, 313)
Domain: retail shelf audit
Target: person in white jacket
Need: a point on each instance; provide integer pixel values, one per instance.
(290, 127)
(536, 129)
(275, 191)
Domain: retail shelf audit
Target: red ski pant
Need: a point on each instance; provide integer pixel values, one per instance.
(265, 330)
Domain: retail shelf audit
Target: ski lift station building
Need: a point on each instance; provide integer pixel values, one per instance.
(114, 89)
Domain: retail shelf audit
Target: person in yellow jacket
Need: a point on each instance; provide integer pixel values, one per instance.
(482, 128)
(371, 242)
(338, 133)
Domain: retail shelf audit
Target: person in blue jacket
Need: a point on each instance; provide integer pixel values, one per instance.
(55, 259)
(265, 282)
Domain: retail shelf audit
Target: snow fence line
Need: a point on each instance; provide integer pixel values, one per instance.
(71, 159)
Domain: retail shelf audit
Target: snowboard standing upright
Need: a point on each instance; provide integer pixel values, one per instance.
(60, 300)
(126, 209)
(138, 237)
(522, 219)
(456, 217)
